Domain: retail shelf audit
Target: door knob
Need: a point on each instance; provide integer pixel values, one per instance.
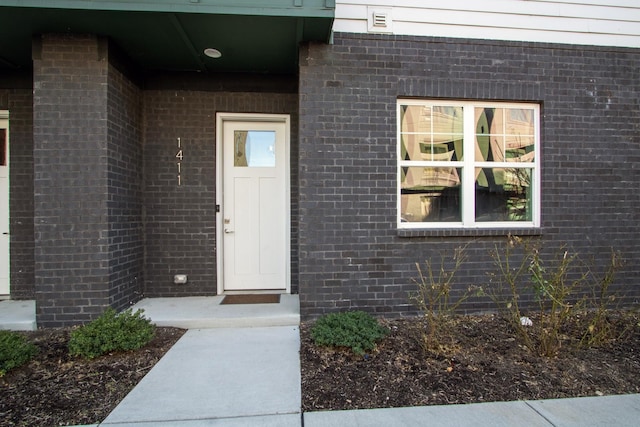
(227, 231)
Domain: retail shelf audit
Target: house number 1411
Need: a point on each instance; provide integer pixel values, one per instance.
(179, 157)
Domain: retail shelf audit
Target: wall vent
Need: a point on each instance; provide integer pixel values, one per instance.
(379, 20)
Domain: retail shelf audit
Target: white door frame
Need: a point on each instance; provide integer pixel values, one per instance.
(4, 228)
(221, 118)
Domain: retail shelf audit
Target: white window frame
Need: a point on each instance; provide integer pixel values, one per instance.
(469, 164)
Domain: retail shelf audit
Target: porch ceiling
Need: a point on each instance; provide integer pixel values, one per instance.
(173, 34)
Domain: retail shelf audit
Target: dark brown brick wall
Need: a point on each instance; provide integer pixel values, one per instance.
(19, 104)
(71, 236)
(87, 162)
(124, 175)
(351, 254)
(111, 223)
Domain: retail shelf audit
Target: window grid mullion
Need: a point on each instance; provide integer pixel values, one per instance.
(509, 165)
(468, 171)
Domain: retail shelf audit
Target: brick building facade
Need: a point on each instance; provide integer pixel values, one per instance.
(353, 255)
(97, 220)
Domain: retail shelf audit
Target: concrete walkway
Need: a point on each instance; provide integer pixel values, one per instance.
(239, 366)
(225, 377)
(609, 411)
(250, 376)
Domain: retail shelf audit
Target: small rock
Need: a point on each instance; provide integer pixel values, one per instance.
(525, 321)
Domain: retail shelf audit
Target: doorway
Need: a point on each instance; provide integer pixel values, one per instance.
(4, 205)
(253, 199)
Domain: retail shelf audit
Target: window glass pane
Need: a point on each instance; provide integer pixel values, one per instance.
(445, 148)
(504, 194)
(519, 148)
(254, 148)
(430, 194)
(240, 148)
(431, 134)
(489, 121)
(415, 118)
(416, 147)
(447, 120)
(490, 148)
(519, 122)
(489, 135)
(504, 135)
(448, 126)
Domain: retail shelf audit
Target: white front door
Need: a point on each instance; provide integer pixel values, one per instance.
(254, 213)
(4, 205)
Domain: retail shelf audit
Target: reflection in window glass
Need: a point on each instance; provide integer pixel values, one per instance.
(430, 194)
(254, 148)
(519, 148)
(501, 141)
(519, 122)
(431, 134)
(504, 194)
(416, 118)
(504, 135)
(447, 120)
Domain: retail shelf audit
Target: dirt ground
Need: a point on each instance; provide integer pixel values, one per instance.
(55, 389)
(485, 362)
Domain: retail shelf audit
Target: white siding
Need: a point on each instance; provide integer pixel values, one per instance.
(584, 22)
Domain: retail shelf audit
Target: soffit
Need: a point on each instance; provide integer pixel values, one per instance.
(172, 35)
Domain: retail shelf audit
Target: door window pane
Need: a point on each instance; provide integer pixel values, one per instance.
(254, 148)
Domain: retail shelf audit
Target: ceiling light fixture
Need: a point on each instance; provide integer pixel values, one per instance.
(212, 53)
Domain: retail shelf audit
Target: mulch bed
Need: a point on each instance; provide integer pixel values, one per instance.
(55, 389)
(485, 362)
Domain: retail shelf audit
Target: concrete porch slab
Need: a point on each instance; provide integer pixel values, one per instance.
(206, 312)
(18, 315)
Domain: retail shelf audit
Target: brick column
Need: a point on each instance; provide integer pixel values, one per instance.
(72, 202)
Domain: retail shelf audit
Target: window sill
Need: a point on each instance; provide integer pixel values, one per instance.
(468, 232)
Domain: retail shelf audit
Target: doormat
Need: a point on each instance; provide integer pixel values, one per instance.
(251, 299)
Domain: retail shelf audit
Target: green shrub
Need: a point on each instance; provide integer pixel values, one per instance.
(14, 351)
(111, 332)
(356, 330)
